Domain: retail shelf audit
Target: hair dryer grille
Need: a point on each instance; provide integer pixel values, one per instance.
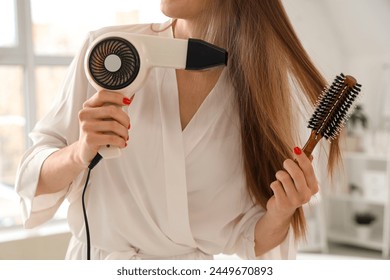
(114, 63)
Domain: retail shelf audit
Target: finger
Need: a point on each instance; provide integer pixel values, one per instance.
(287, 183)
(297, 196)
(296, 174)
(304, 191)
(111, 112)
(280, 197)
(278, 190)
(108, 97)
(306, 166)
(104, 128)
(108, 127)
(113, 140)
(102, 139)
(105, 113)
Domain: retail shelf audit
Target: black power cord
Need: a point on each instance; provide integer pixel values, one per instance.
(93, 163)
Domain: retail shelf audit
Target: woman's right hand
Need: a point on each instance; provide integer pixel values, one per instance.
(102, 122)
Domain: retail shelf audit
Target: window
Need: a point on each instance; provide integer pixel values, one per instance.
(11, 120)
(7, 24)
(61, 33)
(38, 41)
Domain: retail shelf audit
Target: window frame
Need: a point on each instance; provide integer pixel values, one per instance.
(23, 55)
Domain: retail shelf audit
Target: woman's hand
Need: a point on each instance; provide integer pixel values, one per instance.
(294, 186)
(102, 122)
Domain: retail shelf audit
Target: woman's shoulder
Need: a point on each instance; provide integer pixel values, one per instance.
(142, 28)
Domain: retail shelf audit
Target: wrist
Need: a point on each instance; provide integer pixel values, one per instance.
(278, 218)
(270, 230)
(79, 159)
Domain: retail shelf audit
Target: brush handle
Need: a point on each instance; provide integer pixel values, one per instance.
(311, 143)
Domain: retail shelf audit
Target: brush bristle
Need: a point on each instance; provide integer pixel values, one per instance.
(334, 107)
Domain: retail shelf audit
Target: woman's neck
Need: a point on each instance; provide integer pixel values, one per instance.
(184, 28)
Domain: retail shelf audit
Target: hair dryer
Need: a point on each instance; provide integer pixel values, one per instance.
(120, 61)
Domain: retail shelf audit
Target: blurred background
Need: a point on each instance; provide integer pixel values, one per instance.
(350, 218)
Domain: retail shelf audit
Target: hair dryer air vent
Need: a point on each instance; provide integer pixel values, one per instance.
(114, 63)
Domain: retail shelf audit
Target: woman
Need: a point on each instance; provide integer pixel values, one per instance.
(207, 164)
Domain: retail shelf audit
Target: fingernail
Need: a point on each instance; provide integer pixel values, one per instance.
(128, 127)
(297, 151)
(126, 101)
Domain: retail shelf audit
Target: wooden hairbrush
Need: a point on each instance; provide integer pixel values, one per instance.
(333, 109)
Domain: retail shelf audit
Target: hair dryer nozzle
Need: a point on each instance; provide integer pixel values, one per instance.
(203, 55)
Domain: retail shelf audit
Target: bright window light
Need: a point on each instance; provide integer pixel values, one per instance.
(7, 23)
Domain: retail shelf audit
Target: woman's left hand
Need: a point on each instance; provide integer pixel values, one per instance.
(294, 186)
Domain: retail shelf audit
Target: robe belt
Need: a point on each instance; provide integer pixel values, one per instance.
(131, 254)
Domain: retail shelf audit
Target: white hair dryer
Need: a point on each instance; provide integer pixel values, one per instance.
(119, 61)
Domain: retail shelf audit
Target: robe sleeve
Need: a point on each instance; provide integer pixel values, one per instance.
(56, 130)
(284, 251)
(243, 239)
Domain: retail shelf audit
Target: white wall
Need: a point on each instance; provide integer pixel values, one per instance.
(349, 36)
(369, 69)
(318, 35)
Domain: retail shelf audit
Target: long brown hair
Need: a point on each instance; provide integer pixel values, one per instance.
(265, 58)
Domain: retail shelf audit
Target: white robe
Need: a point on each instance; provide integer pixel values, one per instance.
(173, 193)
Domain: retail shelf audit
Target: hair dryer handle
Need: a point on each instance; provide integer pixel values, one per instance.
(110, 151)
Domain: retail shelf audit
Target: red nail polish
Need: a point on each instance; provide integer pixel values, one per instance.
(297, 151)
(126, 101)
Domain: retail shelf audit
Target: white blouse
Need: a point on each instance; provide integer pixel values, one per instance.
(172, 194)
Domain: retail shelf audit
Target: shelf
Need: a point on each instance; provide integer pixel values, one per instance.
(369, 172)
(349, 237)
(352, 199)
(365, 156)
